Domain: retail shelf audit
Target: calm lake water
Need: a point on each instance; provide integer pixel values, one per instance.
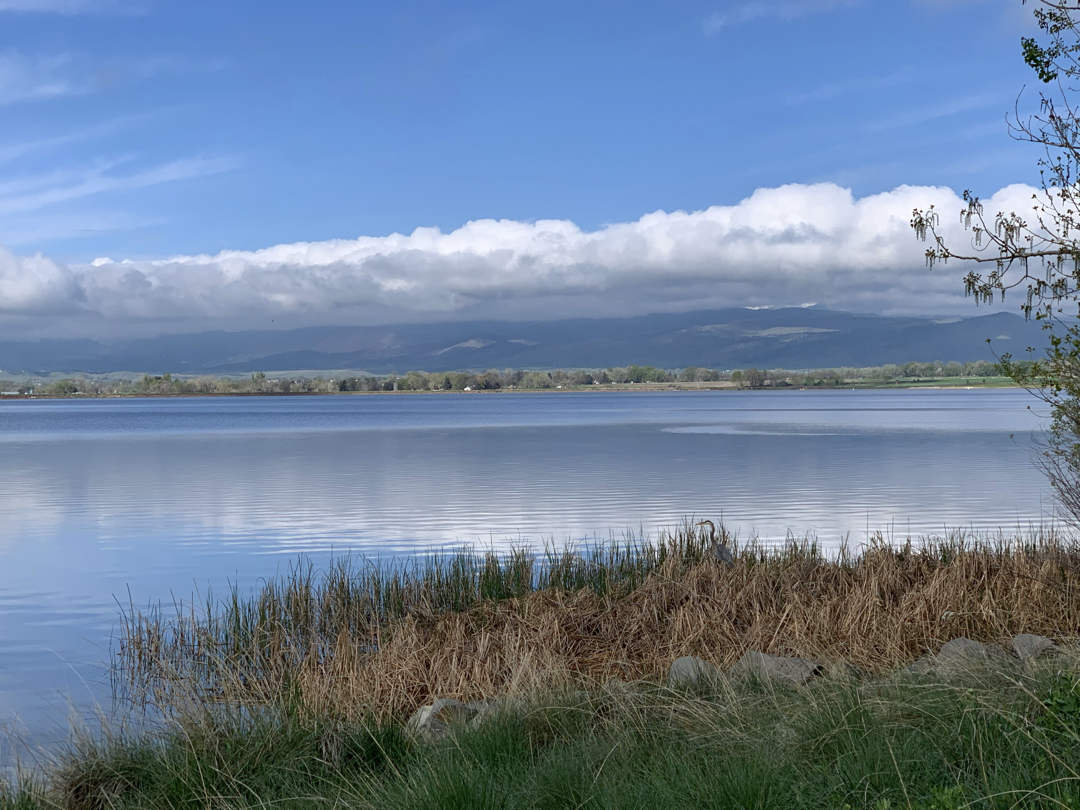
(103, 501)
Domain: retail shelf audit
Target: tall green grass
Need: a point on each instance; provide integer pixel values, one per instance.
(884, 743)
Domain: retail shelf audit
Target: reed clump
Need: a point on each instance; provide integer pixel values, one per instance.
(360, 640)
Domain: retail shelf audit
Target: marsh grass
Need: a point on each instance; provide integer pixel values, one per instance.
(878, 743)
(262, 645)
(359, 639)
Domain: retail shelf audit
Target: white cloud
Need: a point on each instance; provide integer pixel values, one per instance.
(780, 246)
(781, 9)
(35, 285)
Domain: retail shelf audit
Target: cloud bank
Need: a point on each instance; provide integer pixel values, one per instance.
(783, 246)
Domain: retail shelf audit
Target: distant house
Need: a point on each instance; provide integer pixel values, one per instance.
(9, 393)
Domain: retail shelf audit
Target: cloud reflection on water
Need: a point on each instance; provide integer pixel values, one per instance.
(202, 493)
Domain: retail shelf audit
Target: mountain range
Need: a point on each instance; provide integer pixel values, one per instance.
(794, 338)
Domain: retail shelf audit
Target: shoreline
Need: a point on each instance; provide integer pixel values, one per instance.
(714, 387)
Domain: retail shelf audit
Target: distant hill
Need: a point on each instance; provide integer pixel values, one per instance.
(723, 339)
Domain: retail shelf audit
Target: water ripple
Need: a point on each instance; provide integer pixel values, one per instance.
(163, 499)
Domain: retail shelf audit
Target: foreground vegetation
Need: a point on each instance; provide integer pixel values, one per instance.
(837, 743)
(297, 694)
(978, 373)
(362, 640)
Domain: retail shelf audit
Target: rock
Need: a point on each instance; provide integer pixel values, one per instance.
(434, 721)
(795, 671)
(1028, 647)
(962, 656)
(691, 671)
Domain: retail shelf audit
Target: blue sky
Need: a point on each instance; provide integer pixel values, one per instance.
(148, 130)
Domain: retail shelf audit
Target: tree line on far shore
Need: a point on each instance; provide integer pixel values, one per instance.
(494, 379)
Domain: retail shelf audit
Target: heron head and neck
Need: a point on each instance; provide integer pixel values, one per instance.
(721, 552)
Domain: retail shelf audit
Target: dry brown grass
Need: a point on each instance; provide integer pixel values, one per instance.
(877, 610)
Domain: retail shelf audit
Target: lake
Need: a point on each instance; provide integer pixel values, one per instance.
(106, 501)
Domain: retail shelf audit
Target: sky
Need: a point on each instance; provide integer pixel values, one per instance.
(180, 166)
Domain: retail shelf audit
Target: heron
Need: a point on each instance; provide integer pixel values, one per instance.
(721, 552)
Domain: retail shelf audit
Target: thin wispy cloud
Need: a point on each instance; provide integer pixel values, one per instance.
(935, 112)
(873, 84)
(33, 193)
(778, 9)
(171, 64)
(42, 77)
(22, 230)
(70, 7)
(15, 151)
(36, 78)
(93, 199)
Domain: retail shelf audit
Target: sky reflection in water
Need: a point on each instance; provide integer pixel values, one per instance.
(164, 497)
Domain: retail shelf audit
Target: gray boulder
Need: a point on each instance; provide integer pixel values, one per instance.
(794, 671)
(436, 720)
(691, 671)
(1028, 647)
(962, 658)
